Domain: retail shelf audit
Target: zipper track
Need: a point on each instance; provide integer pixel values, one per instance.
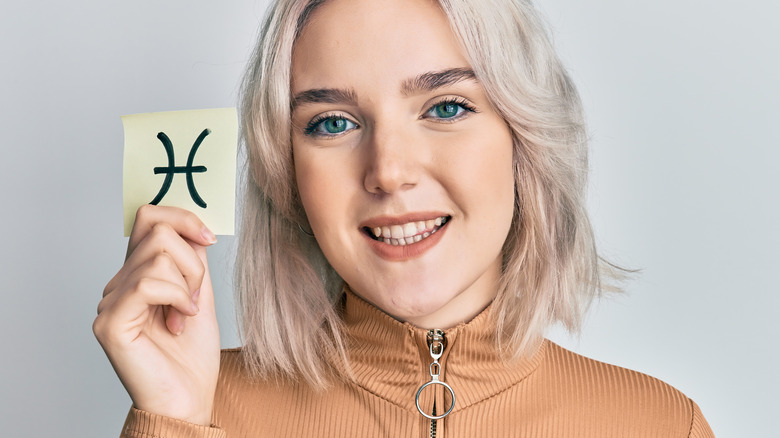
(435, 336)
(433, 422)
(436, 345)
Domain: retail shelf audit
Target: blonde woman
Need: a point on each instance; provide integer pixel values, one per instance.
(414, 220)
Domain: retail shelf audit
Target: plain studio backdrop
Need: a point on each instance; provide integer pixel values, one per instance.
(682, 103)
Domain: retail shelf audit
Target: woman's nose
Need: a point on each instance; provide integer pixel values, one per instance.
(392, 163)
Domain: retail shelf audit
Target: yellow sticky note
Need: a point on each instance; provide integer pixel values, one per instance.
(183, 159)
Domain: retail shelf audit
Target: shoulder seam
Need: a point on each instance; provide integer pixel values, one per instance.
(693, 416)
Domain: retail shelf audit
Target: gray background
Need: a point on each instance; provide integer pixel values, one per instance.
(682, 104)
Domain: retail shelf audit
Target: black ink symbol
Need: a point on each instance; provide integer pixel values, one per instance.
(189, 169)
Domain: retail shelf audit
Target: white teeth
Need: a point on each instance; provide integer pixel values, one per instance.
(396, 232)
(408, 233)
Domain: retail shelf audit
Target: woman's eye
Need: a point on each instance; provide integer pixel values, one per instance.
(329, 126)
(448, 110)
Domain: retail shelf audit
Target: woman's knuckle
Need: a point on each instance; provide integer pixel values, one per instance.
(162, 230)
(162, 262)
(143, 286)
(99, 327)
(143, 212)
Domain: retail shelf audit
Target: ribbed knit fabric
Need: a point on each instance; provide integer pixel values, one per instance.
(554, 393)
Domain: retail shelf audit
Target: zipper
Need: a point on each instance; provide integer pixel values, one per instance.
(433, 422)
(436, 344)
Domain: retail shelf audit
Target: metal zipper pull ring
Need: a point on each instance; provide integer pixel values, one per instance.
(436, 347)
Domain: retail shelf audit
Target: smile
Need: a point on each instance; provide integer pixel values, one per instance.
(408, 233)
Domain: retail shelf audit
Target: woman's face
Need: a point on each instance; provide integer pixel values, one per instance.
(393, 137)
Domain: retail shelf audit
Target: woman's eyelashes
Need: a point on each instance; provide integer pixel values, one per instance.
(449, 110)
(332, 125)
(329, 125)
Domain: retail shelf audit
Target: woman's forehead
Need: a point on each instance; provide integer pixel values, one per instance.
(357, 43)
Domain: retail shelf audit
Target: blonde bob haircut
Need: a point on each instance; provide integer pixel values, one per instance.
(289, 297)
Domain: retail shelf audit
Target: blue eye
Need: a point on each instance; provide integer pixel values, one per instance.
(328, 126)
(448, 110)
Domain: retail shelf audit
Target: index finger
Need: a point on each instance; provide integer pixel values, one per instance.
(184, 222)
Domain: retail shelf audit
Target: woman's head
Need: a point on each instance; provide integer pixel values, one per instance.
(360, 116)
(391, 130)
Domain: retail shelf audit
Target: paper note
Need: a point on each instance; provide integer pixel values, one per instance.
(183, 159)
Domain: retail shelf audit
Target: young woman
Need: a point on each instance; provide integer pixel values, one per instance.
(414, 219)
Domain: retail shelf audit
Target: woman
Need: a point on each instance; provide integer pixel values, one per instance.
(413, 222)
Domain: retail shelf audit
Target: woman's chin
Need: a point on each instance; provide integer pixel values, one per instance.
(420, 308)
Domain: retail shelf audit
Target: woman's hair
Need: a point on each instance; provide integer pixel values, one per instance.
(289, 295)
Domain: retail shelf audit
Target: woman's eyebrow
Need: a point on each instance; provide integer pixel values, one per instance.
(324, 95)
(432, 80)
(422, 83)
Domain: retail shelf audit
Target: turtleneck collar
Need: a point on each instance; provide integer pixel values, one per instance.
(391, 359)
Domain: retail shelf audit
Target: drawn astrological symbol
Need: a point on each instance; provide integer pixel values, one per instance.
(189, 169)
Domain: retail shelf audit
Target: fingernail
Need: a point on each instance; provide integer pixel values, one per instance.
(209, 236)
(180, 329)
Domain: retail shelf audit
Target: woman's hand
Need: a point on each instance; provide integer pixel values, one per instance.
(156, 321)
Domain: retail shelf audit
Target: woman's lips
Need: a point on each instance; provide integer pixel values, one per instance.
(405, 240)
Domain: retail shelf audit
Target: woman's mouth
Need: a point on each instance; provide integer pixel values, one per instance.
(408, 233)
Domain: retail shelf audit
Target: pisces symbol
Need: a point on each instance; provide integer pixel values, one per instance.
(189, 169)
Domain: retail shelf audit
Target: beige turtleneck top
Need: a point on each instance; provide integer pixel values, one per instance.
(554, 393)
